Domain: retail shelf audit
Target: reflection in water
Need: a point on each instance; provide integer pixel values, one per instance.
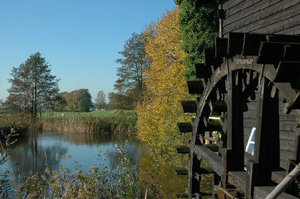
(156, 169)
(31, 154)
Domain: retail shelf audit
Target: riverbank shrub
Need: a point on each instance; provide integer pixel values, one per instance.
(19, 123)
(5, 143)
(99, 182)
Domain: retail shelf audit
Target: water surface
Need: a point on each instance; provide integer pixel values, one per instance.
(56, 150)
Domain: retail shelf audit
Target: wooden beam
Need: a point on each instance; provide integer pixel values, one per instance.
(252, 44)
(195, 87)
(209, 54)
(238, 179)
(213, 125)
(295, 104)
(297, 145)
(235, 43)
(183, 149)
(273, 52)
(218, 106)
(206, 171)
(203, 71)
(250, 88)
(261, 192)
(213, 147)
(283, 38)
(270, 53)
(182, 172)
(288, 72)
(194, 183)
(266, 153)
(221, 45)
(205, 124)
(278, 176)
(185, 127)
(182, 195)
(291, 52)
(189, 106)
(211, 59)
(210, 125)
(210, 157)
(234, 159)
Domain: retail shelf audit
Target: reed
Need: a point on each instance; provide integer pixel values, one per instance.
(100, 182)
(101, 125)
(117, 124)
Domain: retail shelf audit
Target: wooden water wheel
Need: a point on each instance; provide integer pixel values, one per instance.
(248, 81)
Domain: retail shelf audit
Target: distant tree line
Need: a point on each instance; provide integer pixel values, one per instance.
(74, 101)
(35, 90)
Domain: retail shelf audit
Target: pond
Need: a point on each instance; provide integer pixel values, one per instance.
(56, 150)
(69, 151)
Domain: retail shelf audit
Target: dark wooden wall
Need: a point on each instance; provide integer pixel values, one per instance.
(262, 16)
(266, 17)
(288, 124)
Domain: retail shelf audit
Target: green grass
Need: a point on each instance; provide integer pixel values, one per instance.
(97, 113)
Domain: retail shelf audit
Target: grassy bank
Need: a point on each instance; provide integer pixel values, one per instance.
(102, 122)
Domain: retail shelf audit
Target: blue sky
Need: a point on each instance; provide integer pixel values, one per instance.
(80, 39)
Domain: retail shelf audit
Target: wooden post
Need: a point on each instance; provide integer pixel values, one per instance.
(297, 146)
(266, 152)
(233, 155)
(194, 183)
(221, 18)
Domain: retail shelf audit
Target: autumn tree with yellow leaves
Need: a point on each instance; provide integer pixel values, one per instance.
(165, 82)
(160, 111)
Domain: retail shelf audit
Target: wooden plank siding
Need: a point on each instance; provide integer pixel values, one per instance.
(266, 17)
(287, 128)
(295, 30)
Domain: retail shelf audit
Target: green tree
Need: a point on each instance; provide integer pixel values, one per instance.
(85, 101)
(119, 101)
(199, 28)
(33, 88)
(130, 82)
(59, 103)
(2, 106)
(100, 101)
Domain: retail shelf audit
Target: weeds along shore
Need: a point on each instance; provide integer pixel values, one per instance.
(113, 124)
(117, 125)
